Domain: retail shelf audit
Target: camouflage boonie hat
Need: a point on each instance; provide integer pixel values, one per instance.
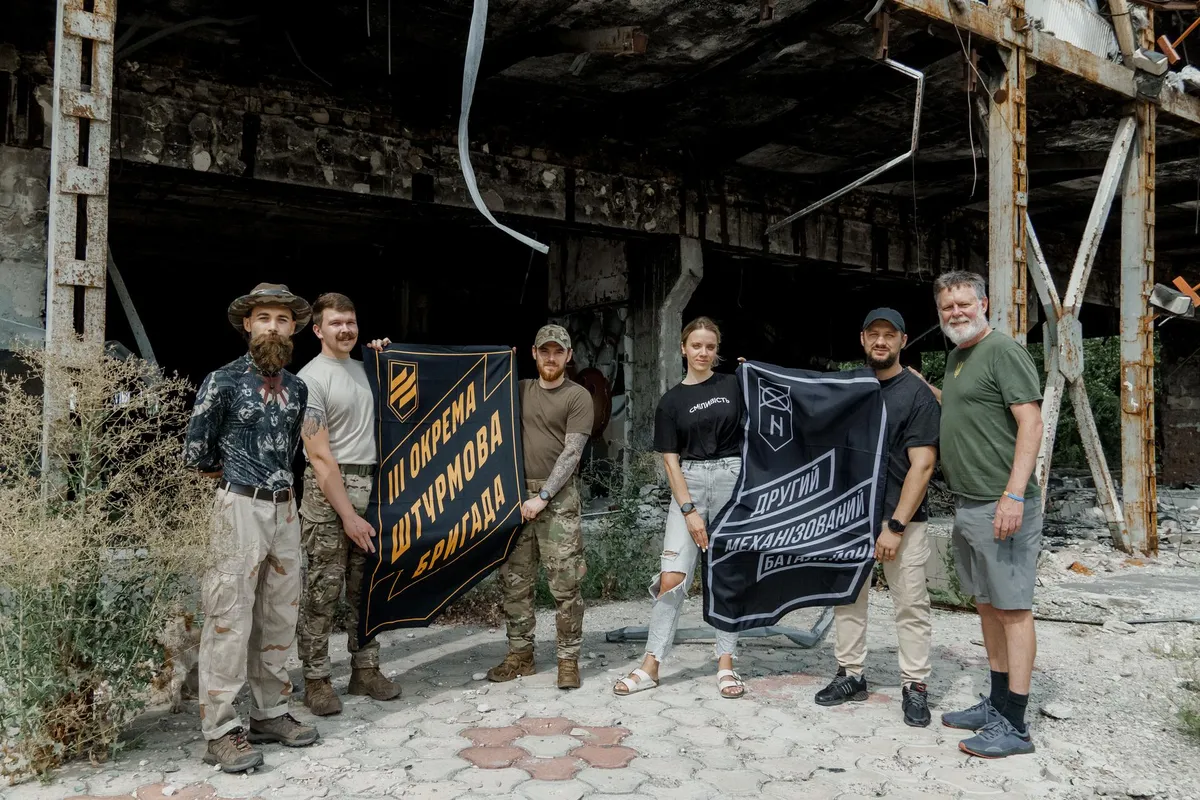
(553, 333)
(269, 294)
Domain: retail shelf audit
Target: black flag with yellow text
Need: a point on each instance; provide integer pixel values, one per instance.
(447, 497)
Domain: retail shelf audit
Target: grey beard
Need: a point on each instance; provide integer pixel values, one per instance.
(958, 337)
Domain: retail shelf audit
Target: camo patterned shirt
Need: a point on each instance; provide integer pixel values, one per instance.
(246, 425)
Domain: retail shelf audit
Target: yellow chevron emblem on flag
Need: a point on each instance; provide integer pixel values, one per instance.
(402, 389)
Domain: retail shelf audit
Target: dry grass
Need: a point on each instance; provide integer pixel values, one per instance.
(94, 554)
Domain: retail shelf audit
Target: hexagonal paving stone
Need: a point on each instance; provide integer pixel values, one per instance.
(545, 726)
(486, 737)
(601, 735)
(564, 790)
(609, 757)
(492, 781)
(613, 781)
(493, 756)
(550, 769)
(547, 746)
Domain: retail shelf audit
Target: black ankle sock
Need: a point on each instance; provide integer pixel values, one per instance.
(999, 694)
(1014, 710)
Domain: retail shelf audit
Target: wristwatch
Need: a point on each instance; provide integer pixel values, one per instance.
(687, 508)
(544, 495)
(895, 525)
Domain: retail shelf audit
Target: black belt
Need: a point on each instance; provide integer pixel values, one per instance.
(365, 470)
(257, 492)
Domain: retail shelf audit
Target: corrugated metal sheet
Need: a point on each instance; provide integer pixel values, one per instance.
(1077, 22)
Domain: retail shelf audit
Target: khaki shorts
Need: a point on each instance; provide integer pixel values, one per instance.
(998, 573)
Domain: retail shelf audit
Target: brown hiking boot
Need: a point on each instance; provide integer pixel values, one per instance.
(568, 673)
(320, 697)
(286, 730)
(372, 682)
(232, 753)
(514, 665)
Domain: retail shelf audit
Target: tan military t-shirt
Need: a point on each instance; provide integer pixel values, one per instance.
(338, 388)
(547, 416)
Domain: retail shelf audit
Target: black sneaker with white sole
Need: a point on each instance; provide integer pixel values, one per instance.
(916, 705)
(843, 688)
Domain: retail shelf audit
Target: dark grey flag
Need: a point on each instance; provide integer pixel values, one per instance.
(801, 526)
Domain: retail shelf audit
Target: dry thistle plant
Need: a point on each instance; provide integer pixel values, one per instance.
(95, 555)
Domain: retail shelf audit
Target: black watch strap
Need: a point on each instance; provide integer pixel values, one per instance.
(688, 508)
(895, 525)
(544, 495)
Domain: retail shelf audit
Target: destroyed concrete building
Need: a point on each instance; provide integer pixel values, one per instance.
(673, 157)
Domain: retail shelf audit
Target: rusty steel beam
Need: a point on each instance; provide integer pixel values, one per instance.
(78, 220)
(1137, 340)
(1008, 193)
(986, 22)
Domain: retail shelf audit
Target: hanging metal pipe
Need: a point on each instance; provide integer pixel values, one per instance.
(919, 77)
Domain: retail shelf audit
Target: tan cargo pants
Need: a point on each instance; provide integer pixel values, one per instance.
(250, 597)
(906, 583)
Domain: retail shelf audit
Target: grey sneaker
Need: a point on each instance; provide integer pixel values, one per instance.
(977, 716)
(997, 740)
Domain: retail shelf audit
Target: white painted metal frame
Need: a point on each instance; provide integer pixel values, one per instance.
(1064, 335)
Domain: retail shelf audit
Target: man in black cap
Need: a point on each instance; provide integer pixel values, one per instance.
(245, 431)
(913, 418)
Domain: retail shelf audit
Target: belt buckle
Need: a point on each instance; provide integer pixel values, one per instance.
(275, 495)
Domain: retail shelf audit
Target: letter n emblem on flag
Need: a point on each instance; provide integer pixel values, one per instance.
(774, 414)
(402, 389)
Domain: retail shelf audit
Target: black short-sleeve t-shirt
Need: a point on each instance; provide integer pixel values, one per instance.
(700, 421)
(914, 418)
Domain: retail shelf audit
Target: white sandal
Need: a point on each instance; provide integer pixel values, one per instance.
(737, 681)
(643, 682)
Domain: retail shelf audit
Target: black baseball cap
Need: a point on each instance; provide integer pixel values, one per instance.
(888, 315)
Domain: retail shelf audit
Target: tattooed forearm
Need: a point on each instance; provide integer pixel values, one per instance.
(567, 461)
(314, 421)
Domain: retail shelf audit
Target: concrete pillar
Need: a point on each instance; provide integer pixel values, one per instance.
(24, 197)
(1180, 412)
(662, 280)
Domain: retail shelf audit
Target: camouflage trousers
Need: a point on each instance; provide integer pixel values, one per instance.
(249, 597)
(334, 563)
(557, 537)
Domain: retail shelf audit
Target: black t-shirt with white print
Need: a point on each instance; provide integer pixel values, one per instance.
(700, 421)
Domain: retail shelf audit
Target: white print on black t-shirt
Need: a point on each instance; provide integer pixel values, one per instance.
(707, 403)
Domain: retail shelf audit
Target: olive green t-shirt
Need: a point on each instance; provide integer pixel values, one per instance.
(547, 416)
(979, 432)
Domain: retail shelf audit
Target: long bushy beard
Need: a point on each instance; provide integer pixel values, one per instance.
(958, 335)
(270, 352)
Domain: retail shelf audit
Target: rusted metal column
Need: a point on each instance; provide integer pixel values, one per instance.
(1008, 188)
(1140, 498)
(79, 160)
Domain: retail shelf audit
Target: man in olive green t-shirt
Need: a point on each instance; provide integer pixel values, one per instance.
(556, 421)
(990, 434)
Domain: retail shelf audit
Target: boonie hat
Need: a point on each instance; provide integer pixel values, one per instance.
(269, 294)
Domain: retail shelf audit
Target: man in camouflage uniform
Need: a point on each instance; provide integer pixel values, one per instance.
(339, 443)
(556, 421)
(245, 430)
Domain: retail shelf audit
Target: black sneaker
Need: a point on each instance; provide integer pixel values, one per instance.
(916, 705)
(842, 688)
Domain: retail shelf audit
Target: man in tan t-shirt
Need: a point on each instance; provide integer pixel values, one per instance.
(339, 443)
(556, 421)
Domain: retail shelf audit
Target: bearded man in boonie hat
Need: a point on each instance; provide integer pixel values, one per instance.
(245, 431)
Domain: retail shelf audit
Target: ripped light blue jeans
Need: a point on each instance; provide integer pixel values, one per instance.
(711, 484)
